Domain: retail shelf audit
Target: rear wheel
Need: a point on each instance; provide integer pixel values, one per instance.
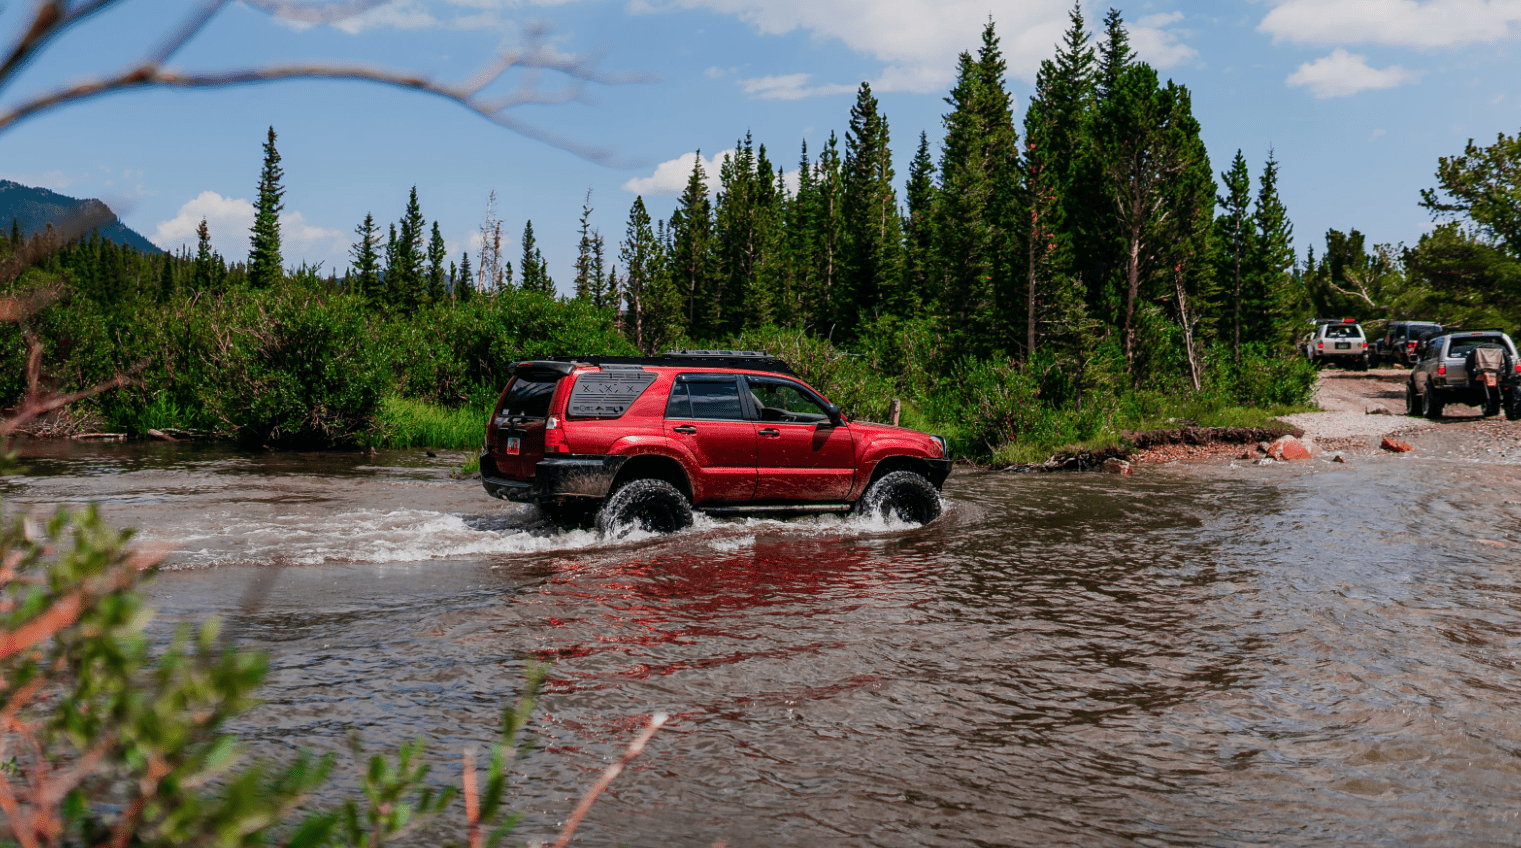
(1412, 400)
(1513, 404)
(651, 505)
(1491, 404)
(1431, 404)
(903, 495)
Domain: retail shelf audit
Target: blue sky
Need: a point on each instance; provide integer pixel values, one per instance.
(1357, 97)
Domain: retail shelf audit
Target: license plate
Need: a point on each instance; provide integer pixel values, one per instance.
(514, 446)
(1491, 379)
(1343, 345)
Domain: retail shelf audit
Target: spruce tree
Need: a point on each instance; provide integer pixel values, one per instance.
(963, 230)
(464, 287)
(406, 280)
(264, 263)
(873, 233)
(691, 237)
(535, 271)
(1237, 236)
(1272, 266)
(203, 277)
(437, 254)
(918, 232)
(364, 279)
(651, 312)
(829, 181)
(587, 281)
(796, 290)
(744, 232)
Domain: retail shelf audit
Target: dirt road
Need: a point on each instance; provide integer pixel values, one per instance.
(1362, 407)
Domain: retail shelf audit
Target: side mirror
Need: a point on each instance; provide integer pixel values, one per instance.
(836, 417)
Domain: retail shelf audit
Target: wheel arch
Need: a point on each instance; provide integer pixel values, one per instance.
(900, 462)
(654, 466)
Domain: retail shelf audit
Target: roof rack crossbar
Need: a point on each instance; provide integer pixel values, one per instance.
(749, 360)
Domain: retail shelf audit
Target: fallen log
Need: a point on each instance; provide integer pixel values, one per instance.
(100, 437)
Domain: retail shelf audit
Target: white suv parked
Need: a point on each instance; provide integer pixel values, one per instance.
(1337, 340)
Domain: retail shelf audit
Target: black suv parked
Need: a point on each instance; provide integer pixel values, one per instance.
(1400, 339)
(1474, 367)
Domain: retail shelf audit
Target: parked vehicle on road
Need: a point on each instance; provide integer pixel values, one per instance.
(1400, 339)
(1474, 367)
(623, 442)
(1339, 340)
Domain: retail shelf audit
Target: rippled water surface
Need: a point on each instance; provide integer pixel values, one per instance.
(1309, 655)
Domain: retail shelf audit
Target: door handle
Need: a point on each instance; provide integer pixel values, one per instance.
(769, 431)
(688, 429)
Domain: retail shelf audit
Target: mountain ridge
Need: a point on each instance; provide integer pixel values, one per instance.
(33, 209)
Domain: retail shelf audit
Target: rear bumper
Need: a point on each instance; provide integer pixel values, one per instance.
(571, 476)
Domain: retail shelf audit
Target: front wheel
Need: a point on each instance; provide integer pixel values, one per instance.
(651, 505)
(1491, 403)
(903, 495)
(1412, 400)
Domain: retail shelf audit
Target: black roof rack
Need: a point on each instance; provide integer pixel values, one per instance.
(750, 360)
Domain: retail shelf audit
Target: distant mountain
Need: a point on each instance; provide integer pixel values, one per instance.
(35, 208)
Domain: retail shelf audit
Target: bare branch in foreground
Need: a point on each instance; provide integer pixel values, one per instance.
(635, 748)
(534, 58)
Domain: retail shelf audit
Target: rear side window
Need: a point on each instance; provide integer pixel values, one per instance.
(714, 398)
(608, 394)
(529, 398)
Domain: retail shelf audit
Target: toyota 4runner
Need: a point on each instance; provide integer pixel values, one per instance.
(621, 442)
(1474, 367)
(1341, 341)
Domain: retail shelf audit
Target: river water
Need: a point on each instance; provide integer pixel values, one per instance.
(1293, 655)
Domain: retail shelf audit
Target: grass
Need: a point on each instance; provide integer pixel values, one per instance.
(406, 423)
(1155, 414)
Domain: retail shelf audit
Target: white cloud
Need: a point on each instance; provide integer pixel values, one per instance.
(400, 14)
(789, 87)
(1343, 73)
(918, 40)
(1401, 23)
(1378, 134)
(1156, 45)
(671, 177)
(229, 219)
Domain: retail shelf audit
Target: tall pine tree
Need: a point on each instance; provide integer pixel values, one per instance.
(265, 267)
(873, 233)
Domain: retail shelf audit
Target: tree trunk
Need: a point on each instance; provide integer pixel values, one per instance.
(1133, 290)
(1188, 330)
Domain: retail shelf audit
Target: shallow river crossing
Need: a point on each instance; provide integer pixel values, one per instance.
(1307, 655)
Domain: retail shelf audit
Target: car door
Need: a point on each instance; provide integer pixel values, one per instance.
(801, 454)
(706, 419)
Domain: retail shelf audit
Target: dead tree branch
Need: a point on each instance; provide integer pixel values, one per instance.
(533, 59)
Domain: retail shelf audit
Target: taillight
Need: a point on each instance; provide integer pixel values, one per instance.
(554, 437)
(1320, 345)
(1442, 370)
(1518, 367)
(1410, 346)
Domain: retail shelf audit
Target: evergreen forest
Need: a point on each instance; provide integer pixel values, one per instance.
(1027, 286)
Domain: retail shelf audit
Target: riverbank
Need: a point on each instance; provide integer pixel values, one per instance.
(1357, 411)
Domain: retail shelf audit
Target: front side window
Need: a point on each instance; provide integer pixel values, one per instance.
(704, 397)
(786, 402)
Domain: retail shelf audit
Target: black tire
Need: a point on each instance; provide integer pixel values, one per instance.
(654, 506)
(903, 494)
(1412, 400)
(1491, 406)
(1431, 404)
(1513, 405)
(571, 515)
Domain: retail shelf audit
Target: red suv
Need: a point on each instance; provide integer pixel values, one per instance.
(624, 442)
